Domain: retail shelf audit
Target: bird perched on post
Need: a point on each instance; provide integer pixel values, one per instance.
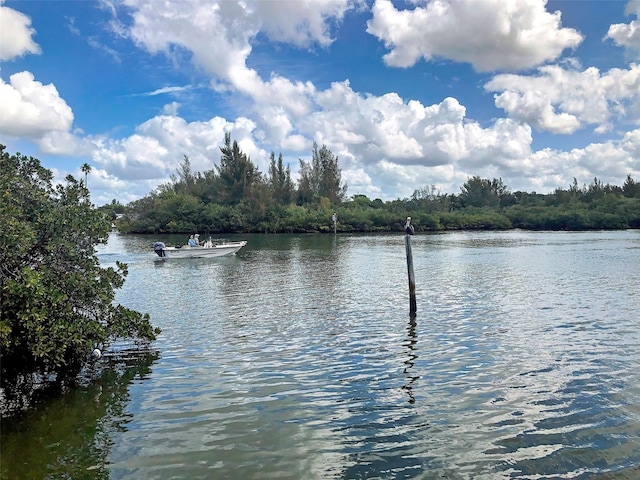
(408, 228)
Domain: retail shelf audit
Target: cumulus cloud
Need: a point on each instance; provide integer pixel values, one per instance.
(631, 144)
(15, 34)
(547, 169)
(378, 139)
(302, 23)
(563, 100)
(106, 187)
(218, 35)
(157, 147)
(386, 128)
(293, 114)
(218, 39)
(490, 35)
(59, 142)
(171, 108)
(627, 34)
(31, 109)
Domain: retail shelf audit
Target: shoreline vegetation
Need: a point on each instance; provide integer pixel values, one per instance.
(52, 317)
(57, 303)
(235, 197)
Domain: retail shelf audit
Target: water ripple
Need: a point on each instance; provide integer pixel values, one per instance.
(301, 362)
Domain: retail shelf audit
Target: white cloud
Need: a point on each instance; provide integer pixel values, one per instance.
(610, 161)
(171, 108)
(219, 34)
(291, 114)
(31, 109)
(631, 144)
(218, 38)
(360, 181)
(627, 35)
(158, 146)
(163, 90)
(59, 142)
(488, 34)
(15, 34)
(388, 146)
(379, 141)
(108, 6)
(215, 33)
(302, 22)
(564, 100)
(372, 129)
(133, 166)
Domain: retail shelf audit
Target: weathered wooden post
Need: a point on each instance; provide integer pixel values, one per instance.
(334, 217)
(409, 230)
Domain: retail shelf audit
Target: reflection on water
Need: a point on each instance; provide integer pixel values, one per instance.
(69, 434)
(410, 344)
(297, 358)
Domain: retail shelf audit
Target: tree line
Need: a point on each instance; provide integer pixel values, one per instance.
(235, 197)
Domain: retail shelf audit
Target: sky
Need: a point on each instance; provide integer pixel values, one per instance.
(408, 95)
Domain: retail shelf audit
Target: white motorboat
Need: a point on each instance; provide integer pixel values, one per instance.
(208, 249)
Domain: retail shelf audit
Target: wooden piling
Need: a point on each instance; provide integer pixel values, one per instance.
(412, 279)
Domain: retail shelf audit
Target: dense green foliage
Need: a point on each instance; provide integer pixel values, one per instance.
(56, 302)
(235, 197)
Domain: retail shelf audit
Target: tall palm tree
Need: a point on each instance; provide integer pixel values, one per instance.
(86, 168)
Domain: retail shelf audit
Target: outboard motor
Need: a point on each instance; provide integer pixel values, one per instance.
(158, 247)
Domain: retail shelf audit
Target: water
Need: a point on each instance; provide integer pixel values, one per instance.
(297, 359)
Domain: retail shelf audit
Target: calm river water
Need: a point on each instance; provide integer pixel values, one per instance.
(297, 359)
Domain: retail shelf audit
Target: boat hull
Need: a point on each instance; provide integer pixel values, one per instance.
(201, 252)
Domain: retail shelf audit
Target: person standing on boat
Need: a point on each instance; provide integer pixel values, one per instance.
(192, 241)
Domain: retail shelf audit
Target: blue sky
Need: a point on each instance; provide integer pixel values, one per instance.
(406, 94)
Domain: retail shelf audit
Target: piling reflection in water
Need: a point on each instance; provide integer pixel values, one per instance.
(411, 344)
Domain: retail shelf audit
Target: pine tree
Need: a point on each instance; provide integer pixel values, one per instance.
(321, 178)
(236, 172)
(280, 182)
